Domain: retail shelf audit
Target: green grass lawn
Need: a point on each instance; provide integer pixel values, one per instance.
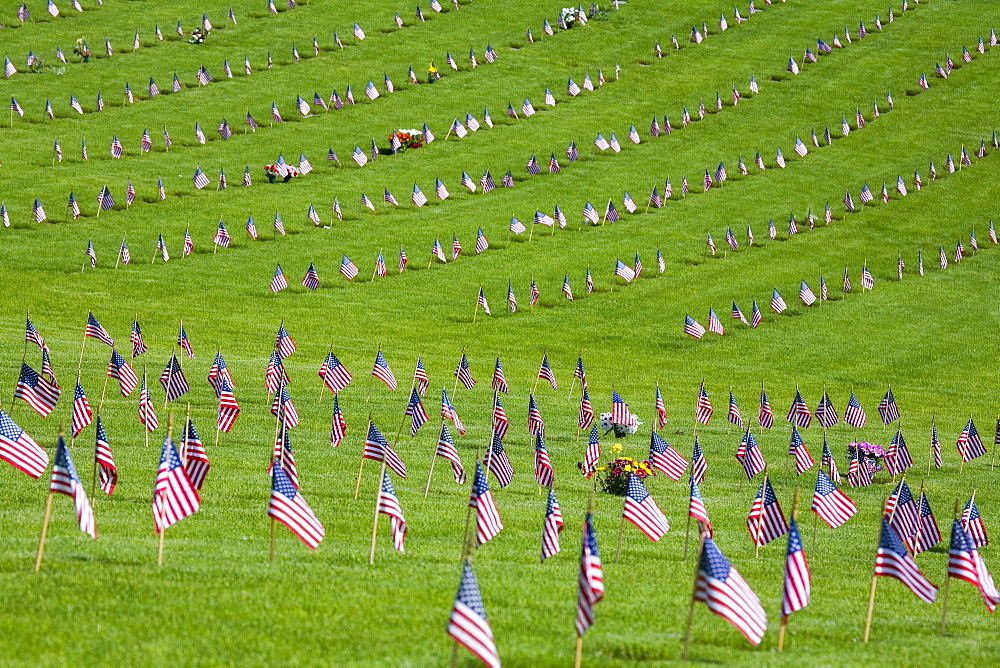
(218, 599)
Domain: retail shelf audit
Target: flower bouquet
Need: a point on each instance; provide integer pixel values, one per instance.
(568, 16)
(286, 172)
(869, 454)
(402, 139)
(614, 474)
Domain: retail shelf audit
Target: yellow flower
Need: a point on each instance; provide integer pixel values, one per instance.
(602, 468)
(617, 447)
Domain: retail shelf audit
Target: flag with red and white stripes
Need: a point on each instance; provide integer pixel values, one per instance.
(174, 497)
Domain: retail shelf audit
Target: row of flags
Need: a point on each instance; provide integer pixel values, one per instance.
(808, 297)
(699, 35)
(52, 9)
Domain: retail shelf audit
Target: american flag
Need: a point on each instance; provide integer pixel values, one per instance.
(765, 417)
(120, 369)
(174, 497)
(830, 504)
(826, 414)
(766, 521)
(184, 342)
(726, 594)
(590, 213)
(338, 425)
(499, 382)
(887, 407)
(464, 374)
(229, 410)
(897, 456)
(19, 450)
(488, 522)
(278, 282)
(803, 460)
(481, 242)
(620, 413)
(500, 421)
(892, 560)
(96, 331)
(551, 527)
(795, 593)
(665, 458)
(347, 268)
(828, 461)
(972, 522)
(572, 154)
(543, 466)
(448, 412)
(36, 391)
(535, 423)
(661, 409)
(902, 511)
(798, 412)
(289, 507)
(641, 510)
(377, 448)
(750, 455)
(147, 415)
(402, 260)
(703, 407)
(854, 415)
(283, 408)
(82, 414)
(283, 343)
(388, 504)
(173, 381)
(105, 461)
(714, 324)
(482, 303)
(928, 535)
(66, 481)
(965, 563)
(446, 448)
(468, 625)
(591, 580)
(592, 456)
(545, 371)
(196, 459)
(496, 462)
(734, 411)
(970, 445)
(697, 510)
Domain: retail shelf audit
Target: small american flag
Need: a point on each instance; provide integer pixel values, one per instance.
(535, 423)
(382, 371)
(887, 407)
(965, 563)
(446, 449)
(826, 414)
(928, 535)
(830, 504)
(464, 374)
(488, 521)
(334, 375)
(377, 448)
(278, 282)
(766, 521)
(289, 507)
(120, 369)
(591, 579)
(586, 414)
(703, 407)
(173, 381)
(972, 522)
(750, 456)
(500, 422)
(347, 268)
(803, 460)
(551, 527)
(174, 497)
(543, 466)
(448, 412)
(338, 425)
(107, 470)
(892, 560)
(95, 330)
(665, 458)
(468, 625)
(693, 328)
(970, 445)
(19, 450)
(66, 481)
(642, 511)
(388, 504)
(795, 593)
(798, 412)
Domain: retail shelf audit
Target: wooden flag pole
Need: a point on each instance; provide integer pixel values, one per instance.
(784, 618)
(104, 389)
(279, 461)
(579, 636)
(687, 535)
(323, 381)
(45, 521)
(357, 485)
(815, 530)
(163, 506)
(374, 273)
(119, 258)
(430, 474)
(475, 313)
(371, 378)
(378, 498)
(759, 535)
(79, 366)
(961, 464)
(694, 590)
(454, 390)
(535, 386)
(24, 358)
(947, 578)
(145, 428)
